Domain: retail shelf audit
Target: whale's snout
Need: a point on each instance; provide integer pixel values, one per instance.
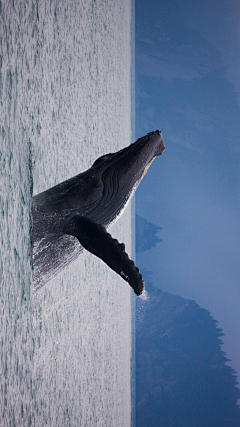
(157, 142)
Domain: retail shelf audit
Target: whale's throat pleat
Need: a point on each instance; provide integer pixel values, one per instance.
(115, 197)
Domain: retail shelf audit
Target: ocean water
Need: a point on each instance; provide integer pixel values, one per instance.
(65, 83)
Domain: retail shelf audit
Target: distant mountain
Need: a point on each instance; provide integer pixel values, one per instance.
(146, 237)
(182, 379)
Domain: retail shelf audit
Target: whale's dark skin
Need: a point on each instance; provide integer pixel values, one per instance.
(80, 209)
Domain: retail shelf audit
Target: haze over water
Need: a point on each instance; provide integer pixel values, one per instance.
(187, 84)
(66, 349)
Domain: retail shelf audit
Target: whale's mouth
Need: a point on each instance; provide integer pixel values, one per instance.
(133, 162)
(152, 143)
(121, 172)
(148, 166)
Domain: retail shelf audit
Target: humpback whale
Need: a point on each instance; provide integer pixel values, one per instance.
(76, 213)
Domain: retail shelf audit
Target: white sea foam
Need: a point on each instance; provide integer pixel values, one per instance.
(144, 296)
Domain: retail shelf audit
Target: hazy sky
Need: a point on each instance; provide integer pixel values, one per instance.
(188, 86)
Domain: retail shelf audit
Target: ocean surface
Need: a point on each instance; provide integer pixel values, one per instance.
(65, 357)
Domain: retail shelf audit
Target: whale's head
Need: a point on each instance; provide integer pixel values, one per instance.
(120, 173)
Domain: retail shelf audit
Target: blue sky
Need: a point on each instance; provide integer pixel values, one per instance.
(188, 86)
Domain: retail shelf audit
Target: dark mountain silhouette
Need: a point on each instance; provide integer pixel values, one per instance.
(146, 234)
(182, 379)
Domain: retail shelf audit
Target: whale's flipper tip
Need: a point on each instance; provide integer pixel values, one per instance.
(132, 275)
(99, 242)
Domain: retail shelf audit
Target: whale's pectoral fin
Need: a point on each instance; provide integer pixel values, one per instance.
(96, 240)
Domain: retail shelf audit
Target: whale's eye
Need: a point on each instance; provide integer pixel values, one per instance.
(103, 159)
